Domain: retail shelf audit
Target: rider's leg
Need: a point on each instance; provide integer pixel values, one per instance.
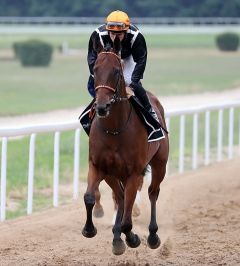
(142, 96)
(128, 67)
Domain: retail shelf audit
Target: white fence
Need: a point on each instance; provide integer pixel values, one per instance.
(206, 109)
(6, 133)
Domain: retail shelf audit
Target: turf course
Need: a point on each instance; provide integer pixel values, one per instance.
(177, 64)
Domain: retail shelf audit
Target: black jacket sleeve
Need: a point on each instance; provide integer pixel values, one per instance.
(139, 53)
(92, 54)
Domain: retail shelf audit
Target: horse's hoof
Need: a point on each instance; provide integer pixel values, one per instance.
(133, 241)
(98, 212)
(153, 241)
(89, 233)
(118, 247)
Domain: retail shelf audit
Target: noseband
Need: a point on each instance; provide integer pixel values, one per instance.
(116, 97)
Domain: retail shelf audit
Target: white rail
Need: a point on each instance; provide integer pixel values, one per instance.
(207, 109)
(6, 133)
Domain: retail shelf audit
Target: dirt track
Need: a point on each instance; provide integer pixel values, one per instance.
(199, 214)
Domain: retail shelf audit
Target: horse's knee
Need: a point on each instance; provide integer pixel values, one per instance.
(89, 199)
(153, 193)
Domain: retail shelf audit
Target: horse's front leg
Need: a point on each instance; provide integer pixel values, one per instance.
(130, 192)
(89, 229)
(118, 246)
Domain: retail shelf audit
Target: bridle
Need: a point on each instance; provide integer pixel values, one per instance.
(116, 97)
(115, 89)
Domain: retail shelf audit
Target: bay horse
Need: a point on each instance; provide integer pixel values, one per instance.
(119, 152)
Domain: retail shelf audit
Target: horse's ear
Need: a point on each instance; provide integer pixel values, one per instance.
(117, 45)
(97, 46)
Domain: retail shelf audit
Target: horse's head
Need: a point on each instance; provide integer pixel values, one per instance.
(109, 79)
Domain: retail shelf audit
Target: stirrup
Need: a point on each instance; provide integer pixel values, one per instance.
(87, 126)
(153, 114)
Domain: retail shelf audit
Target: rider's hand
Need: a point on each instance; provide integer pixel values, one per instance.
(129, 91)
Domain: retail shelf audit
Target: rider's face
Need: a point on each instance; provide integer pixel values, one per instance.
(114, 34)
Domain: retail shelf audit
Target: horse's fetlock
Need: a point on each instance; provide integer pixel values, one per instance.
(126, 228)
(89, 199)
(153, 228)
(116, 229)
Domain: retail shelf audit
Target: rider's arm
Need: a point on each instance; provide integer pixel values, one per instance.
(139, 53)
(92, 54)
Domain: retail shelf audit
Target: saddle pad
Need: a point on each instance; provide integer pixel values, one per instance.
(154, 129)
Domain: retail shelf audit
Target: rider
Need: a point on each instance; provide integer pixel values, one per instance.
(133, 53)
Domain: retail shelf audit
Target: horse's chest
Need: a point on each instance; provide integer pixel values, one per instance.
(112, 163)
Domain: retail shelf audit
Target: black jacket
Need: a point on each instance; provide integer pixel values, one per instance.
(133, 44)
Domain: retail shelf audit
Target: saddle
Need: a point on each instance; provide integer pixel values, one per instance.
(154, 128)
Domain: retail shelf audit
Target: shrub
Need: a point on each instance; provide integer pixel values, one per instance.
(33, 53)
(227, 41)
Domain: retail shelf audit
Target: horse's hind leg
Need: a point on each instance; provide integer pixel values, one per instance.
(89, 229)
(98, 209)
(136, 210)
(158, 173)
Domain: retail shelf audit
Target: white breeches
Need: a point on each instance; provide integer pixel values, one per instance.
(128, 67)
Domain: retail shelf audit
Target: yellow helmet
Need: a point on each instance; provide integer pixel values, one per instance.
(117, 21)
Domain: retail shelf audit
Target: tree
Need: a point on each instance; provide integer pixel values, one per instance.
(135, 8)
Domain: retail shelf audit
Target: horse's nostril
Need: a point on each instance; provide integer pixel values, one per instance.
(101, 110)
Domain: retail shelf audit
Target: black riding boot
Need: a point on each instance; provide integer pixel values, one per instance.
(142, 96)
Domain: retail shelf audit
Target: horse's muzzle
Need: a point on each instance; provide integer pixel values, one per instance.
(102, 110)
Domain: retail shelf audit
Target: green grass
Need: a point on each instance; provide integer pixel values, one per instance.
(181, 41)
(63, 84)
(80, 41)
(177, 64)
(74, 41)
(171, 72)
